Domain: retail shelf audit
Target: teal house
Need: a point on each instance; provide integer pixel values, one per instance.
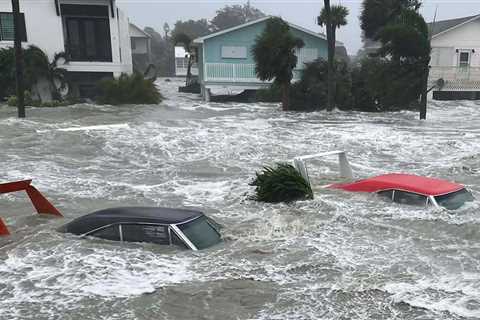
(225, 59)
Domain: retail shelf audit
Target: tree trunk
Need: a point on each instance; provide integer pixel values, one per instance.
(423, 101)
(18, 60)
(285, 96)
(331, 57)
(189, 71)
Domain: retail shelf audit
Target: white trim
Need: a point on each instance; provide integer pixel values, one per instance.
(454, 27)
(215, 34)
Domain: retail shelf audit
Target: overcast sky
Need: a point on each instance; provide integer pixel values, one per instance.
(155, 13)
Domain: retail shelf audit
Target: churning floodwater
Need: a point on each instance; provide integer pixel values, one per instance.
(340, 256)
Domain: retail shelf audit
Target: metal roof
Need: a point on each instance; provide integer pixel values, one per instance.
(215, 34)
(405, 182)
(443, 26)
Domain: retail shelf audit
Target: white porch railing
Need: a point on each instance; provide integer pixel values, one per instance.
(457, 78)
(235, 72)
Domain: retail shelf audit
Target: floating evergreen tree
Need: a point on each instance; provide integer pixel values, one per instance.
(282, 183)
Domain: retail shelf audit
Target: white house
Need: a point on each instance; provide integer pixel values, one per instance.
(94, 34)
(181, 63)
(456, 58)
(141, 48)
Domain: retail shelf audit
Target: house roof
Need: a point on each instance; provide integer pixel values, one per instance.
(440, 27)
(291, 25)
(405, 182)
(136, 32)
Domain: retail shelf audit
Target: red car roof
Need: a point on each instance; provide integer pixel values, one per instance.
(406, 182)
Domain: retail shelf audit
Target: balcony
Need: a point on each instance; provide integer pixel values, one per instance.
(457, 78)
(236, 73)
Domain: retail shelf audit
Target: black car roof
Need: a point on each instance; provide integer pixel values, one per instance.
(105, 217)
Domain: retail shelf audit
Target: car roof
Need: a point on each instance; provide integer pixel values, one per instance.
(158, 215)
(399, 181)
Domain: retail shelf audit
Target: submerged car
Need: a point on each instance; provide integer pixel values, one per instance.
(398, 187)
(187, 228)
(412, 190)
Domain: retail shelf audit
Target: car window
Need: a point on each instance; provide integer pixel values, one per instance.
(201, 233)
(388, 194)
(454, 200)
(177, 241)
(145, 233)
(109, 233)
(409, 198)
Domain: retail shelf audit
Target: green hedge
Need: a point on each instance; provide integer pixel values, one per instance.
(128, 89)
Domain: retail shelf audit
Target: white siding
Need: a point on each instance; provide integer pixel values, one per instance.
(466, 37)
(45, 30)
(305, 55)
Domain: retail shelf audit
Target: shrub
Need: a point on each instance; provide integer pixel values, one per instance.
(36, 67)
(128, 89)
(310, 93)
(282, 183)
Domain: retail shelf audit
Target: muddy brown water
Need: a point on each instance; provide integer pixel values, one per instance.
(340, 256)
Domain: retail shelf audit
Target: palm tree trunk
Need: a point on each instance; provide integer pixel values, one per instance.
(285, 96)
(18, 60)
(189, 71)
(331, 57)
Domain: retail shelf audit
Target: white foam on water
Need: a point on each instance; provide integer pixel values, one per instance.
(457, 294)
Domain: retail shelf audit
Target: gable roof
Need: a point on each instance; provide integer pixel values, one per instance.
(406, 182)
(137, 30)
(440, 27)
(291, 25)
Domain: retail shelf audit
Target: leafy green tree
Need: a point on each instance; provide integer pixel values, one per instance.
(231, 16)
(376, 14)
(402, 68)
(192, 28)
(274, 55)
(162, 54)
(333, 17)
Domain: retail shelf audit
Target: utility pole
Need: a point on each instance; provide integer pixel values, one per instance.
(423, 101)
(331, 57)
(18, 59)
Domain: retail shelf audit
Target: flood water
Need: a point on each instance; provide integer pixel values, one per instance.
(340, 256)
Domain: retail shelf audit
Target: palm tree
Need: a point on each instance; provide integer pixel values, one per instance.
(38, 68)
(274, 55)
(333, 17)
(186, 42)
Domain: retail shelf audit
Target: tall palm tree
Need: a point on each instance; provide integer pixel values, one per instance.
(186, 42)
(274, 55)
(333, 17)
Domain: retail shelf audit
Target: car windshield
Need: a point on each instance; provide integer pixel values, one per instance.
(201, 233)
(454, 200)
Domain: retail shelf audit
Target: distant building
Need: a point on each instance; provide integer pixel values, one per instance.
(141, 48)
(181, 63)
(456, 58)
(225, 59)
(93, 34)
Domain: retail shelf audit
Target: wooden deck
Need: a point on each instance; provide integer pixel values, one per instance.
(236, 73)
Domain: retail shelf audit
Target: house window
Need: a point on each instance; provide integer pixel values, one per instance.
(133, 43)
(87, 29)
(7, 30)
(464, 59)
(234, 52)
